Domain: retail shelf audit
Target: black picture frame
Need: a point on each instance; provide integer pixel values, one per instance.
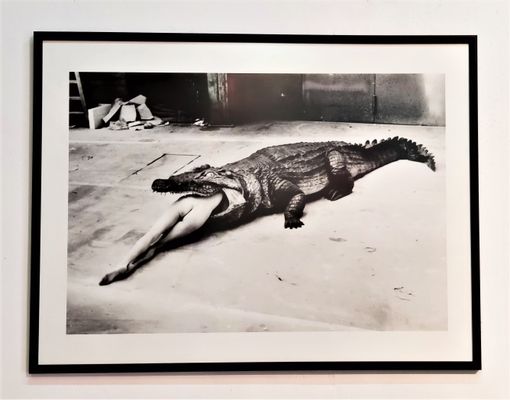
(34, 364)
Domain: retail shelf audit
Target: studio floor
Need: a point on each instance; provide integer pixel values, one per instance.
(374, 260)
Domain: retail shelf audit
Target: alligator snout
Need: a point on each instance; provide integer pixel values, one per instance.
(160, 185)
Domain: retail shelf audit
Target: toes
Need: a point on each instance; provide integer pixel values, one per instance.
(107, 279)
(112, 277)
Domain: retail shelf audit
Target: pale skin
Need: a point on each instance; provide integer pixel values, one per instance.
(183, 217)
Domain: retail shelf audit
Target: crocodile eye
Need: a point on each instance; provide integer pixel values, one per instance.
(209, 174)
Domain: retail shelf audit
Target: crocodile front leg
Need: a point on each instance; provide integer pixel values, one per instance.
(286, 194)
(340, 179)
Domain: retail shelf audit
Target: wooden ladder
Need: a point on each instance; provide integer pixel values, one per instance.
(77, 104)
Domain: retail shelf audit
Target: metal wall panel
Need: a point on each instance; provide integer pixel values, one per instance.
(416, 99)
(339, 97)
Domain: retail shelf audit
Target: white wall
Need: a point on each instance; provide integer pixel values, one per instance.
(488, 19)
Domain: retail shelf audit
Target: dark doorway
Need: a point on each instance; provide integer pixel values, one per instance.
(177, 97)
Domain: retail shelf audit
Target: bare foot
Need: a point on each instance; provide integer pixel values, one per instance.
(124, 272)
(114, 276)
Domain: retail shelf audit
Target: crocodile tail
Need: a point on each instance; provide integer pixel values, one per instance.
(418, 152)
(410, 150)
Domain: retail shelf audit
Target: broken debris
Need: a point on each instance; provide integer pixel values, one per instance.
(144, 112)
(118, 125)
(128, 113)
(152, 123)
(135, 123)
(114, 110)
(124, 115)
(138, 100)
(97, 114)
(135, 114)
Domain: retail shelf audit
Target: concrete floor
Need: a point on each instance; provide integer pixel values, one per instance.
(372, 260)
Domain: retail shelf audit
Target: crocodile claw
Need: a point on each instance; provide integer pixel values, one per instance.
(292, 223)
(334, 194)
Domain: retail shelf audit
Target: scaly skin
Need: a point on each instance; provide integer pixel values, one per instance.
(281, 177)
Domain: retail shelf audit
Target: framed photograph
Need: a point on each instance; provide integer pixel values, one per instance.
(215, 202)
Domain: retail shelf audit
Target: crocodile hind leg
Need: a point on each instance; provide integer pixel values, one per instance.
(286, 194)
(340, 179)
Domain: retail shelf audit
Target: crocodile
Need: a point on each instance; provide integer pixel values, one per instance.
(274, 178)
(283, 177)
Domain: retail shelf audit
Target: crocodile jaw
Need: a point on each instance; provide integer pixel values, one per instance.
(233, 200)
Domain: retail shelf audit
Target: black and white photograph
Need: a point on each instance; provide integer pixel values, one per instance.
(221, 202)
(256, 199)
(237, 202)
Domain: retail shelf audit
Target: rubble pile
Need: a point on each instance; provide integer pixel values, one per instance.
(132, 114)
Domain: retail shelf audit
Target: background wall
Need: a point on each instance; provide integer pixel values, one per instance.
(488, 19)
(414, 99)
